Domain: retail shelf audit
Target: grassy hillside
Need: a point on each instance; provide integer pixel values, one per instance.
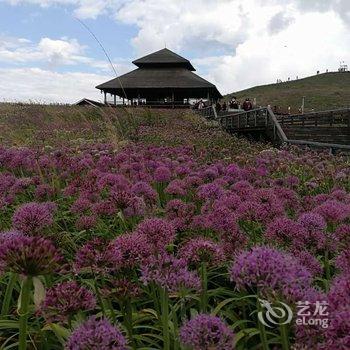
(46, 127)
(323, 91)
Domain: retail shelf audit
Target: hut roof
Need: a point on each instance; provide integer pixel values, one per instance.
(88, 102)
(159, 73)
(157, 78)
(163, 58)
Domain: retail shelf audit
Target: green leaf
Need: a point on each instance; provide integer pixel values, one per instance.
(61, 333)
(39, 292)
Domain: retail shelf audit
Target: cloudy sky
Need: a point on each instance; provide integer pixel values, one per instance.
(47, 55)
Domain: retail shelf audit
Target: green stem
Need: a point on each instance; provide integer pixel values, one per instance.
(165, 318)
(8, 294)
(99, 298)
(176, 328)
(263, 336)
(128, 320)
(113, 315)
(284, 336)
(204, 293)
(23, 312)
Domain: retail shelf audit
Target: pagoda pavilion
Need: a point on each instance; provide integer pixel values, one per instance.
(161, 78)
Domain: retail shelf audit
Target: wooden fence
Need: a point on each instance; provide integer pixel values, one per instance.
(326, 129)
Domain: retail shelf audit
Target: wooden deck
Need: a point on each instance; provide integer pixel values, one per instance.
(325, 129)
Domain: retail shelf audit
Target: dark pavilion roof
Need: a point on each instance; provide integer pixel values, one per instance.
(160, 71)
(158, 78)
(163, 58)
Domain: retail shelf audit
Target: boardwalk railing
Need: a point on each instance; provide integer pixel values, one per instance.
(207, 112)
(337, 117)
(307, 125)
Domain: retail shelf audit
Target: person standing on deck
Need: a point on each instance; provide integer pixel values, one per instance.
(247, 105)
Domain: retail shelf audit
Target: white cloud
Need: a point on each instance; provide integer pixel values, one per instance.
(300, 50)
(279, 22)
(52, 52)
(25, 84)
(185, 25)
(234, 43)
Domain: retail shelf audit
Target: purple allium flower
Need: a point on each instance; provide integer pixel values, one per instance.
(129, 204)
(179, 213)
(96, 334)
(66, 299)
(158, 232)
(94, 257)
(314, 226)
(312, 222)
(221, 220)
(211, 173)
(342, 236)
(206, 332)
(285, 232)
(342, 262)
(162, 174)
(309, 261)
(30, 256)
(339, 195)
(310, 335)
(339, 293)
(176, 187)
(44, 191)
(143, 189)
(262, 205)
(129, 250)
(333, 211)
(230, 201)
(243, 188)
(33, 217)
(289, 198)
(200, 249)
(8, 235)
(86, 222)
(234, 172)
(192, 181)
(270, 271)
(210, 191)
(292, 181)
(169, 272)
(116, 181)
(104, 207)
(80, 206)
(337, 335)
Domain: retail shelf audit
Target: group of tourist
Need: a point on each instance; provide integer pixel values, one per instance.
(234, 104)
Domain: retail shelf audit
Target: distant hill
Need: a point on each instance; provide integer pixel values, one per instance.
(322, 91)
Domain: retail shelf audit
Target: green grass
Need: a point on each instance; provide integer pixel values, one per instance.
(323, 91)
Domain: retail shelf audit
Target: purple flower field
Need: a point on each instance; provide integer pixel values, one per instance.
(157, 230)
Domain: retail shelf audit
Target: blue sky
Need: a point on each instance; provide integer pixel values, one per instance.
(46, 54)
(32, 22)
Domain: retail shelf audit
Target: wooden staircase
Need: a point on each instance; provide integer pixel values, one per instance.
(326, 129)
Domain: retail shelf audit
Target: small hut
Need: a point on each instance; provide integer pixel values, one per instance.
(161, 78)
(88, 102)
